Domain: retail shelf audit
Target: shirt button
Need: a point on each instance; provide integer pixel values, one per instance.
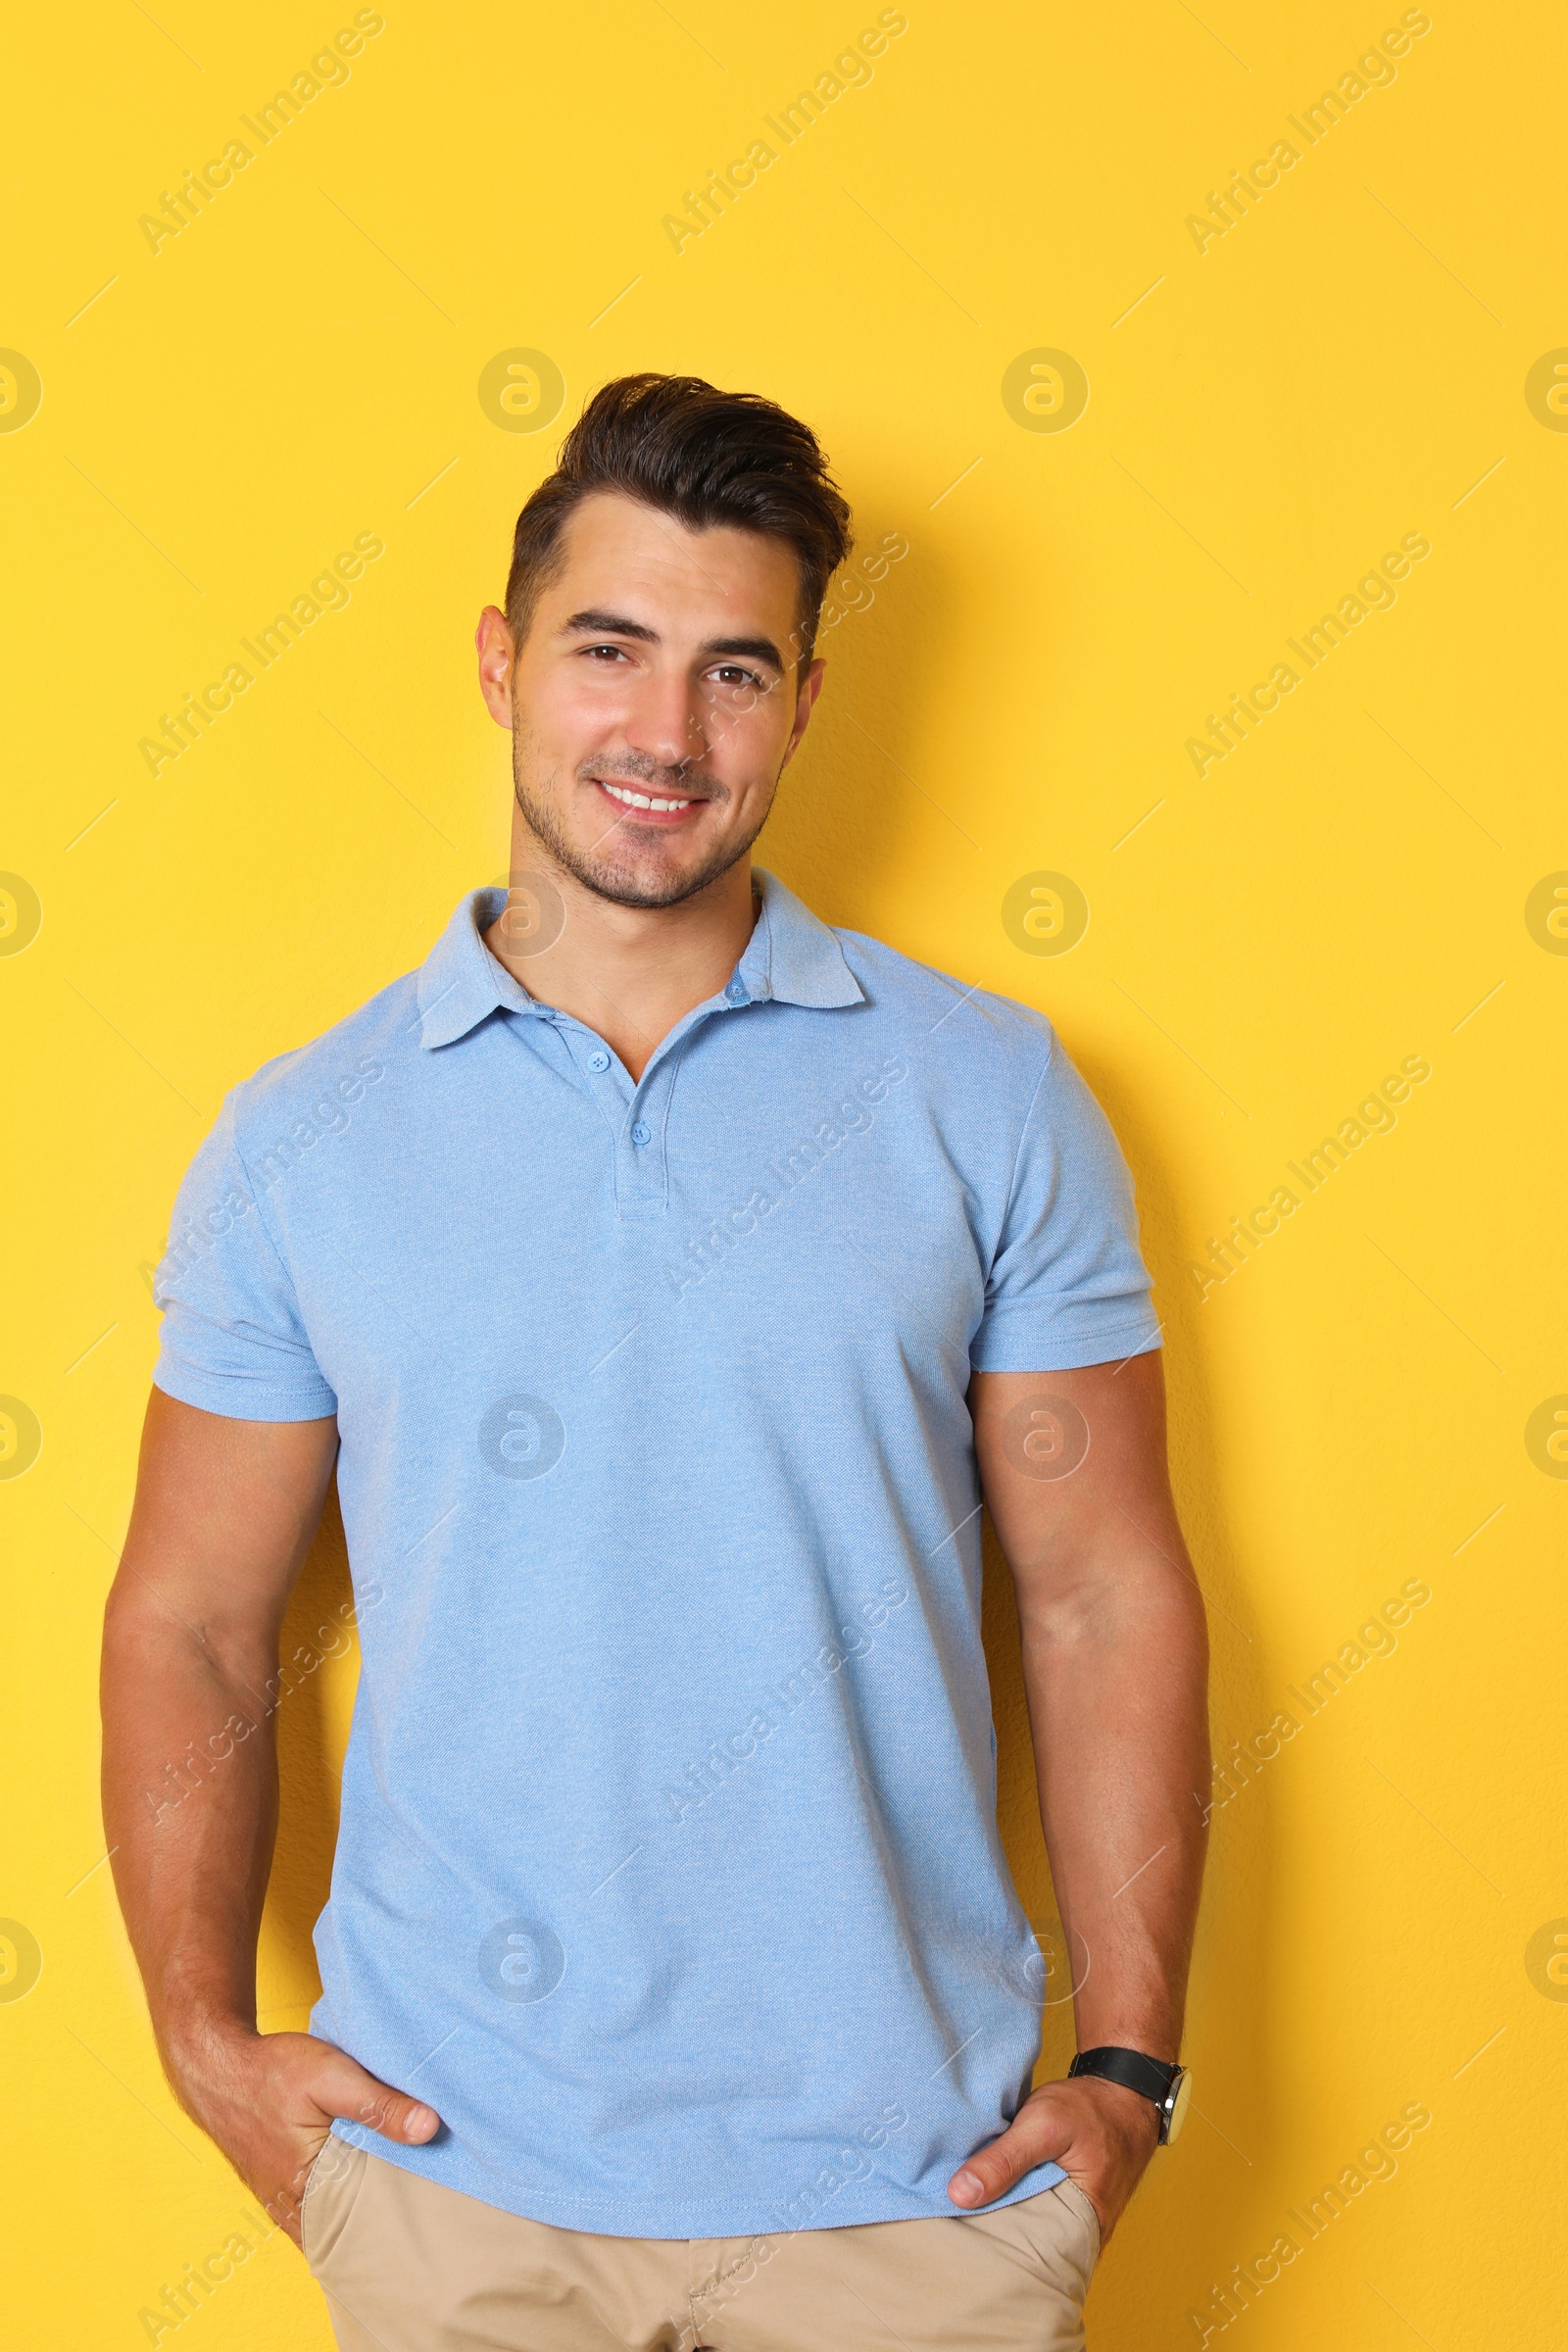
(639, 1132)
(736, 992)
(599, 1061)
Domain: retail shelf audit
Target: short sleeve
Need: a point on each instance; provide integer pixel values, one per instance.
(233, 1340)
(1068, 1285)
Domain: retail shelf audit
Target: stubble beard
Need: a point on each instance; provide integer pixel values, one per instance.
(596, 868)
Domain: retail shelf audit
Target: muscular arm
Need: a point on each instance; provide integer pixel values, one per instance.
(224, 1516)
(1115, 1660)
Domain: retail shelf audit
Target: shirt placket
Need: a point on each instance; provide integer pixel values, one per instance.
(638, 1117)
(641, 1173)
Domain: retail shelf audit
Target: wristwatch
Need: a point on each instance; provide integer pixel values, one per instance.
(1166, 2086)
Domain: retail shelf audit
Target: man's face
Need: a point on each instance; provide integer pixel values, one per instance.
(655, 701)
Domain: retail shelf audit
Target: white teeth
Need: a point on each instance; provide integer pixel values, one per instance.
(639, 800)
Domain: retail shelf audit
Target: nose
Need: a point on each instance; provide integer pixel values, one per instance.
(665, 720)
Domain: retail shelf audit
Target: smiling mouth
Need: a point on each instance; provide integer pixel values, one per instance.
(648, 803)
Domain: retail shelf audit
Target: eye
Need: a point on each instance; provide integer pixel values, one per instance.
(615, 653)
(733, 673)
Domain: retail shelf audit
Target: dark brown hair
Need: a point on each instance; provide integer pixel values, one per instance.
(704, 456)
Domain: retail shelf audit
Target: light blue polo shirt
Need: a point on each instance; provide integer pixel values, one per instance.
(668, 1870)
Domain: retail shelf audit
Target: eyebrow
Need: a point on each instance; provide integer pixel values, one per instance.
(599, 624)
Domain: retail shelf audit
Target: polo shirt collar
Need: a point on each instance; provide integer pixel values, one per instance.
(460, 981)
(790, 955)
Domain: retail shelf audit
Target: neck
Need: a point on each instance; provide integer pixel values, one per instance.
(630, 973)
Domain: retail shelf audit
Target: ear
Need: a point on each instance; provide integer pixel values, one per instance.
(497, 651)
(810, 686)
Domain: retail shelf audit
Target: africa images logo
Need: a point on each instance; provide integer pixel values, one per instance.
(522, 1437)
(523, 1960)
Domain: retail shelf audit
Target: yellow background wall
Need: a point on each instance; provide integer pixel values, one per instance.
(1268, 413)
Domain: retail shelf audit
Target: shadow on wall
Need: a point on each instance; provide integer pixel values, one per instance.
(845, 798)
(1195, 2210)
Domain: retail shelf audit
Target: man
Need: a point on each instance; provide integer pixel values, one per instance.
(657, 1269)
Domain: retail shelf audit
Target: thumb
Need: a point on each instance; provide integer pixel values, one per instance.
(1033, 2138)
(347, 2091)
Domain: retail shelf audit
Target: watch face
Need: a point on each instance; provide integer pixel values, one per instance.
(1177, 2109)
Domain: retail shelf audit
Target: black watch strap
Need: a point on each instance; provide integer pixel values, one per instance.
(1151, 2077)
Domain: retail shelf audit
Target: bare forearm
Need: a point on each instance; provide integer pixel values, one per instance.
(225, 1513)
(224, 1516)
(1115, 1657)
(190, 1809)
(1115, 1681)
(192, 1847)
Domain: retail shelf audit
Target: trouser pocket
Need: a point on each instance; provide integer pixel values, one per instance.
(1062, 2231)
(1084, 2204)
(331, 2191)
